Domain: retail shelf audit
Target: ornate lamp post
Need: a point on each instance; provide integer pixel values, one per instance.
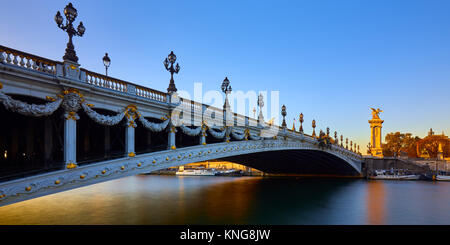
(283, 113)
(301, 121)
(226, 88)
(260, 105)
(171, 58)
(328, 132)
(106, 62)
(346, 143)
(335, 138)
(71, 13)
(342, 140)
(314, 128)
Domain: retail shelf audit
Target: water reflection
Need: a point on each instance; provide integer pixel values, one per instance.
(376, 203)
(243, 200)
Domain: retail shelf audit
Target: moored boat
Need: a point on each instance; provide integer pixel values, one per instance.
(382, 175)
(195, 172)
(230, 172)
(443, 177)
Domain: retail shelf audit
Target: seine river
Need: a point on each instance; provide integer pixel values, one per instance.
(151, 199)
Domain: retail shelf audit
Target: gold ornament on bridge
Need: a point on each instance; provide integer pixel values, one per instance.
(71, 165)
(49, 98)
(131, 114)
(72, 115)
(131, 154)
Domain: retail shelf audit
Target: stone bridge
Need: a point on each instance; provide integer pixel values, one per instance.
(63, 127)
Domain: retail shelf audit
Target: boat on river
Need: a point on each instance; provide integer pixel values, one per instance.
(384, 175)
(443, 177)
(195, 172)
(230, 172)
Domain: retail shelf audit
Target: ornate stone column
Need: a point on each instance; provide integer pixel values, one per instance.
(171, 139)
(71, 104)
(130, 113)
(375, 133)
(203, 134)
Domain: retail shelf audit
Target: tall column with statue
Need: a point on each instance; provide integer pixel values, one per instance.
(375, 133)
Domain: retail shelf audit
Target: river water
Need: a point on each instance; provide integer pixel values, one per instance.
(152, 199)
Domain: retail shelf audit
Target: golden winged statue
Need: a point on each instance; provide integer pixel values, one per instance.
(375, 113)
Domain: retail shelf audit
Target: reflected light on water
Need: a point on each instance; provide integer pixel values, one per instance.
(172, 200)
(375, 197)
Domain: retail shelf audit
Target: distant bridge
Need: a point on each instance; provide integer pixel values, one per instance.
(64, 127)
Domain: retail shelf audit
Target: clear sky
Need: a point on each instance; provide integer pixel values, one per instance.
(331, 60)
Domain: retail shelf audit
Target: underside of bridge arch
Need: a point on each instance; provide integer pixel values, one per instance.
(29, 145)
(295, 162)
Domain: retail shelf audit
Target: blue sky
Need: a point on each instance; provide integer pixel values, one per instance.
(330, 60)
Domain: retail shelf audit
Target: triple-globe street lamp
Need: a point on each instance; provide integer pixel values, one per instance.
(170, 60)
(71, 13)
(226, 88)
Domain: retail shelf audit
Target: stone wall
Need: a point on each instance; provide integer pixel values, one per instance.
(371, 164)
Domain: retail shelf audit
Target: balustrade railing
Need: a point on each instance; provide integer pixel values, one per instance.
(28, 61)
(103, 81)
(150, 93)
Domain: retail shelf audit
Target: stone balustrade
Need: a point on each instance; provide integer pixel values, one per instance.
(27, 61)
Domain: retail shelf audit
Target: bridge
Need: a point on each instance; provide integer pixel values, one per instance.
(64, 127)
